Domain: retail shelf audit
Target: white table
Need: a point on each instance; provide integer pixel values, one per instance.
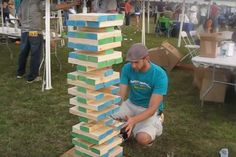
(218, 62)
(7, 33)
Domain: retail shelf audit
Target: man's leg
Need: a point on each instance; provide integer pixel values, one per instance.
(36, 50)
(146, 131)
(24, 52)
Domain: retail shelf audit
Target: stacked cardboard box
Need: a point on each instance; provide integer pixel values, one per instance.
(203, 78)
(166, 56)
(94, 39)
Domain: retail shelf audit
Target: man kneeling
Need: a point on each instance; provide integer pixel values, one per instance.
(147, 83)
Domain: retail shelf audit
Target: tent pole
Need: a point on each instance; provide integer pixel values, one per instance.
(2, 16)
(181, 23)
(48, 48)
(143, 23)
(148, 20)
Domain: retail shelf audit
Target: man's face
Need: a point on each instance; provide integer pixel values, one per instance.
(138, 65)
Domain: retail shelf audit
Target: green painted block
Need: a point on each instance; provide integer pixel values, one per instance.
(93, 59)
(81, 89)
(117, 39)
(88, 139)
(119, 17)
(80, 144)
(111, 62)
(85, 129)
(95, 151)
(90, 81)
(82, 109)
(110, 51)
(105, 41)
(70, 76)
(81, 78)
(81, 154)
(109, 29)
(81, 68)
(83, 119)
(119, 60)
(102, 64)
(81, 100)
(82, 57)
(81, 35)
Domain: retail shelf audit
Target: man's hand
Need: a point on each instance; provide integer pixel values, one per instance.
(130, 122)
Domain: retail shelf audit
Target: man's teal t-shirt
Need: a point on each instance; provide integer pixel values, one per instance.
(143, 84)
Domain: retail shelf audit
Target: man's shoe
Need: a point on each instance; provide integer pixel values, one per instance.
(19, 76)
(37, 79)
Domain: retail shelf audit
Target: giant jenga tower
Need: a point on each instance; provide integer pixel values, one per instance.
(94, 38)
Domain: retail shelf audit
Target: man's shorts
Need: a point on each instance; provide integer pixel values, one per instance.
(152, 126)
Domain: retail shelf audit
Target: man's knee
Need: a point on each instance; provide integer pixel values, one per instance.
(143, 138)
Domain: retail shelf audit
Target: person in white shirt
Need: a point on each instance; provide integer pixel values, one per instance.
(193, 13)
(203, 13)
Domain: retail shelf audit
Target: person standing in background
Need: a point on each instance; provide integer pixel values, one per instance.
(128, 8)
(6, 11)
(31, 18)
(203, 13)
(214, 13)
(193, 14)
(137, 9)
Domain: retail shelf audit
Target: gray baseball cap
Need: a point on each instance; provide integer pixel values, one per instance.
(136, 52)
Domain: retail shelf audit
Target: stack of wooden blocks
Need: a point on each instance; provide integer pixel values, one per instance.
(94, 37)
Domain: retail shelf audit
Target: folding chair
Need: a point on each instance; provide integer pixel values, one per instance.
(163, 26)
(192, 48)
(194, 37)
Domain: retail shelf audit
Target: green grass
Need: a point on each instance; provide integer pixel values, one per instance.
(38, 124)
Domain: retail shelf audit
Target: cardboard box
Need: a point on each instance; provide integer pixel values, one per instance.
(167, 56)
(218, 92)
(209, 45)
(198, 77)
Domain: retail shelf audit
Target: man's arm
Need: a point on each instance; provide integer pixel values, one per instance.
(123, 91)
(153, 106)
(63, 6)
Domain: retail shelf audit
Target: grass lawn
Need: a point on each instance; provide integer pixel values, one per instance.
(38, 124)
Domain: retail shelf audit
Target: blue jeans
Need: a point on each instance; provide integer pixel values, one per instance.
(32, 45)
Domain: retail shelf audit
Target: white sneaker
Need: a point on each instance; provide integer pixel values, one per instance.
(37, 79)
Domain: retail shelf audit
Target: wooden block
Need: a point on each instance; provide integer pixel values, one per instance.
(82, 143)
(99, 17)
(94, 57)
(96, 134)
(94, 35)
(95, 115)
(89, 137)
(95, 87)
(92, 79)
(93, 42)
(98, 30)
(94, 24)
(104, 148)
(95, 48)
(98, 65)
(115, 152)
(90, 94)
(112, 90)
(96, 105)
(92, 105)
(105, 24)
(93, 125)
(84, 68)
